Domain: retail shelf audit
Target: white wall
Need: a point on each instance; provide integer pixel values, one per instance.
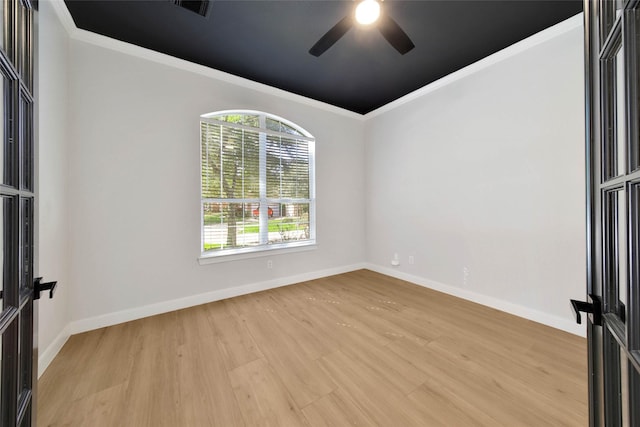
(135, 188)
(484, 173)
(52, 211)
(487, 173)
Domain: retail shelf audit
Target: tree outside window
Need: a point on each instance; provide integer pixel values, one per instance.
(257, 183)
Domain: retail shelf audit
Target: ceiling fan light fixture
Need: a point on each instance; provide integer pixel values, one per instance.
(367, 12)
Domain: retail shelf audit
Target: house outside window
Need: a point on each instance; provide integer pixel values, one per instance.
(257, 190)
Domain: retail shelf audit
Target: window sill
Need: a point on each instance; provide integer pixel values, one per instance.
(262, 252)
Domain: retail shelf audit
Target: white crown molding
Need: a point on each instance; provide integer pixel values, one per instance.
(506, 53)
(63, 15)
(140, 52)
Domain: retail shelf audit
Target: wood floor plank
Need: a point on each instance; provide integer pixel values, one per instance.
(300, 374)
(263, 399)
(373, 394)
(293, 319)
(63, 376)
(98, 409)
(344, 324)
(356, 349)
(447, 409)
(460, 383)
(314, 313)
(387, 364)
(534, 406)
(522, 368)
(232, 336)
(151, 397)
(107, 350)
(204, 386)
(336, 409)
(501, 396)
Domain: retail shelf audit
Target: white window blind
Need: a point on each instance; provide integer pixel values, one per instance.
(257, 183)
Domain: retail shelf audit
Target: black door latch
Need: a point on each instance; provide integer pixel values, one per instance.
(594, 308)
(38, 287)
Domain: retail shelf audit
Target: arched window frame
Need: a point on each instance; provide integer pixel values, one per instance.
(294, 221)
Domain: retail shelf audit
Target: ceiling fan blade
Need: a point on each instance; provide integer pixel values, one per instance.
(394, 34)
(332, 36)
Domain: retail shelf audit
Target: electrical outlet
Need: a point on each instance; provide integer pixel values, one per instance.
(465, 276)
(396, 260)
(269, 264)
(411, 260)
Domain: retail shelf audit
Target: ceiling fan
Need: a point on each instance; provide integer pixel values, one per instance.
(367, 12)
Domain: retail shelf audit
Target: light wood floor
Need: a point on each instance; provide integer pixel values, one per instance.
(358, 349)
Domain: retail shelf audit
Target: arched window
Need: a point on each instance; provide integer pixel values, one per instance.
(257, 183)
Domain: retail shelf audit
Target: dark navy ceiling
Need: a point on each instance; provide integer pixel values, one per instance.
(268, 41)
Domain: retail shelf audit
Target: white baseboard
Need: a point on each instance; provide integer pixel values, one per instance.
(508, 307)
(46, 357)
(110, 319)
(83, 325)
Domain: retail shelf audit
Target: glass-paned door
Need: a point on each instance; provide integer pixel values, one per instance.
(17, 328)
(612, 77)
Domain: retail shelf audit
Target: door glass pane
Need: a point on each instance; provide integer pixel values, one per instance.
(25, 349)
(26, 284)
(614, 112)
(5, 247)
(8, 402)
(622, 252)
(5, 26)
(614, 247)
(6, 154)
(2, 249)
(611, 364)
(633, 331)
(4, 128)
(1, 376)
(27, 54)
(3, 19)
(634, 146)
(24, 38)
(620, 114)
(26, 143)
(19, 350)
(19, 36)
(597, 353)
